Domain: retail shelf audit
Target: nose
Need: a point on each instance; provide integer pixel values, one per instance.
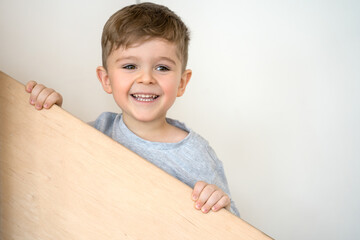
(146, 77)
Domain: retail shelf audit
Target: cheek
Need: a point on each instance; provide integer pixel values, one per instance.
(170, 89)
(119, 85)
(120, 91)
(170, 85)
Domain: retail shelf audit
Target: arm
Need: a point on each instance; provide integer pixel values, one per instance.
(41, 96)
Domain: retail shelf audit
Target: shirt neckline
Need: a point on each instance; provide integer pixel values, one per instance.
(131, 136)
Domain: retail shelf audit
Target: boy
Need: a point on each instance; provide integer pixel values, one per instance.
(145, 51)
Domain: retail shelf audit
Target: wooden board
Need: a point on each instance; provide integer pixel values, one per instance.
(61, 179)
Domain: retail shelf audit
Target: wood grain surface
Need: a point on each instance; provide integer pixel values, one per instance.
(62, 179)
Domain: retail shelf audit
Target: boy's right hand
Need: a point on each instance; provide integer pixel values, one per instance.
(41, 96)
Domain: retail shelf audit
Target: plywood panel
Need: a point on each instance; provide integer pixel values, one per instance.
(62, 179)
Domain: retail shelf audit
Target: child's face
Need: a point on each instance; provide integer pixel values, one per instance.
(145, 79)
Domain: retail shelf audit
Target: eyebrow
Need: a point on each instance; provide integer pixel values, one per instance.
(135, 58)
(167, 59)
(125, 58)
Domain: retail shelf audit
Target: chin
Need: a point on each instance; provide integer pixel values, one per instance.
(143, 117)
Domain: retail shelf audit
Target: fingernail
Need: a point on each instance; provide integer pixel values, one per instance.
(194, 197)
(45, 105)
(198, 206)
(213, 208)
(32, 101)
(204, 210)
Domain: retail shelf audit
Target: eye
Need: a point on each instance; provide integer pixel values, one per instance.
(129, 66)
(162, 68)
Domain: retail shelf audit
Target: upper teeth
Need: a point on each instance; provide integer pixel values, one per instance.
(144, 95)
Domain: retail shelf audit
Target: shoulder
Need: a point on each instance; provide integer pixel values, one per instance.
(193, 139)
(197, 147)
(106, 121)
(202, 146)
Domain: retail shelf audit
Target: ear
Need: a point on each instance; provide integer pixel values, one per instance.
(185, 78)
(104, 79)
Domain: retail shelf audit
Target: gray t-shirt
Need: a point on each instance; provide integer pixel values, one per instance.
(190, 160)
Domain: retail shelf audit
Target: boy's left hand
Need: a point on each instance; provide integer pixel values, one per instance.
(209, 197)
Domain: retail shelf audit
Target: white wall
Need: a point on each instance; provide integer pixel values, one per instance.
(275, 90)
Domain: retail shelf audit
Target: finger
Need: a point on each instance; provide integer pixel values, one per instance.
(224, 202)
(212, 200)
(35, 93)
(199, 186)
(29, 86)
(41, 98)
(205, 195)
(53, 98)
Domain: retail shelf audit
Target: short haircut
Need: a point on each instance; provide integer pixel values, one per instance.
(140, 22)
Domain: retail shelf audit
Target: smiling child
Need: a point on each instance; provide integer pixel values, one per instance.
(145, 51)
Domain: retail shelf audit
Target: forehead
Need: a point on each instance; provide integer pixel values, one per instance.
(149, 47)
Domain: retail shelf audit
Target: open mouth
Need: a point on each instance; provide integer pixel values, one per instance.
(145, 97)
